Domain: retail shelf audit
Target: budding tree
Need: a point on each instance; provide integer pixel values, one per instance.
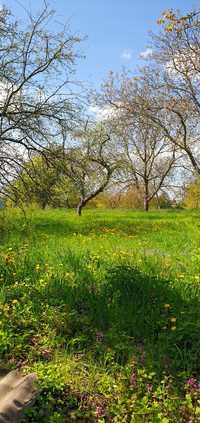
(173, 79)
(90, 163)
(35, 96)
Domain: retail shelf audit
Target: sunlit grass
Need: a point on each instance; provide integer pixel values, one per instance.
(106, 305)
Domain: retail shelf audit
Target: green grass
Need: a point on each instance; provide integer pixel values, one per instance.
(106, 310)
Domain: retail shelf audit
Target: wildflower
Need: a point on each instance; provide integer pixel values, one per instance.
(173, 319)
(173, 328)
(149, 387)
(14, 301)
(167, 306)
(192, 382)
(100, 411)
(133, 379)
(99, 336)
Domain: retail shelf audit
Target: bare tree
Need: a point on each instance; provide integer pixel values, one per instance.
(36, 97)
(148, 160)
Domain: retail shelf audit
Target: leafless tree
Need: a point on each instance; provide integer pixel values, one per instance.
(148, 160)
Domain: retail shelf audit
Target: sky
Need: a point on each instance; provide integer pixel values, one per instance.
(115, 31)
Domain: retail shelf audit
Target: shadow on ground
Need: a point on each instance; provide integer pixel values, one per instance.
(130, 309)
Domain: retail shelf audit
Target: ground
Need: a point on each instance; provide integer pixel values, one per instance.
(105, 309)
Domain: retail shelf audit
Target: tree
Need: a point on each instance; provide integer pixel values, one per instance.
(192, 195)
(148, 160)
(36, 100)
(42, 183)
(91, 163)
(173, 80)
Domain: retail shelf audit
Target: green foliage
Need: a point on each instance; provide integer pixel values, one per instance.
(131, 199)
(105, 310)
(42, 184)
(192, 195)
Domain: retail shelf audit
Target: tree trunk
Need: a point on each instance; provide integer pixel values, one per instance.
(146, 197)
(146, 204)
(79, 209)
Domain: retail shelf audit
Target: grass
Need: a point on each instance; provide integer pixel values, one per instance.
(106, 310)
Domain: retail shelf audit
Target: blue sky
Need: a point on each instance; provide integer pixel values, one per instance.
(116, 30)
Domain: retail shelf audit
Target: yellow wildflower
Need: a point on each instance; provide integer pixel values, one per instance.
(167, 306)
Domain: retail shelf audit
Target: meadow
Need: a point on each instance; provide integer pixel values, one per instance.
(106, 310)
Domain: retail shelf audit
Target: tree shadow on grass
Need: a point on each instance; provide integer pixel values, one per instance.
(122, 310)
(131, 309)
(128, 314)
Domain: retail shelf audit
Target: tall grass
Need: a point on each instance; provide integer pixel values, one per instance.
(105, 308)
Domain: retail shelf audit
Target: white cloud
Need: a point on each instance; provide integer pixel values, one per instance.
(146, 54)
(101, 114)
(126, 54)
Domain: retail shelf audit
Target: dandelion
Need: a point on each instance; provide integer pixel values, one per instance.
(196, 278)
